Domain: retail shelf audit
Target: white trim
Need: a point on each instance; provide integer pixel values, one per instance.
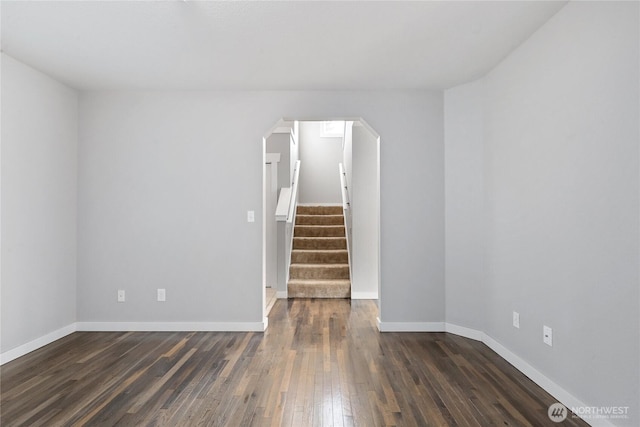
(410, 326)
(293, 203)
(321, 204)
(326, 133)
(44, 340)
(172, 326)
(364, 295)
(283, 128)
(562, 395)
(279, 124)
(282, 208)
(282, 294)
(473, 334)
(372, 131)
(23, 349)
(559, 393)
(271, 157)
(427, 327)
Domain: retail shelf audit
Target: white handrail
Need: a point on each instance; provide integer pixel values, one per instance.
(288, 199)
(290, 221)
(346, 203)
(294, 193)
(346, 209)
(282, 210)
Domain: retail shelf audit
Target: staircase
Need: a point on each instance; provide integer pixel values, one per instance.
(319, 259)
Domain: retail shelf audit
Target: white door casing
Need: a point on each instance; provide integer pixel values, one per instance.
(271, 197)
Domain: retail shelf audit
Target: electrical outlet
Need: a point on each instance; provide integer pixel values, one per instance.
(162, 295)
(516, 319)
(120, 295)
(251, 216)
(547, 335)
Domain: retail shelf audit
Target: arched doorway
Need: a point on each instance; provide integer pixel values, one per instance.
(361, 168)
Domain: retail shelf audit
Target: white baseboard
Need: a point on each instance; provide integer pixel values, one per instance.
(560, 394)
(44, 340)
(563, 396)
(410, 326)
(282, 294)
(464, 331)
(364, 295)
(171, 326)
(20, 351)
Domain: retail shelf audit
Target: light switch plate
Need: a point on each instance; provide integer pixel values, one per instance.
(162, 295)
(251, 216)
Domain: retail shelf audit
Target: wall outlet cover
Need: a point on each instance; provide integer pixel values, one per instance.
(516, 319)
(162, 295)
(121, 295)
(547, 335)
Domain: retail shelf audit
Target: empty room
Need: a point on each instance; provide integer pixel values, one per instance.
(320, 213)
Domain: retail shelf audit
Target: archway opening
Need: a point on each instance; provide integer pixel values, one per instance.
(357, 191)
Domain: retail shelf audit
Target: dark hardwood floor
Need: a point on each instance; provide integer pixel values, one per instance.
(320, 363)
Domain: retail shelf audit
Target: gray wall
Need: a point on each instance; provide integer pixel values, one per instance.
(279, 143)
(347, 152)
(559, 128)
(464, 204)
(542, 184)
(319, 157)
(364, 196)
(294, 149)
(39, 148)
(157, 207)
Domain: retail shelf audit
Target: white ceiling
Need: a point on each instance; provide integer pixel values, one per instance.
(266, 44)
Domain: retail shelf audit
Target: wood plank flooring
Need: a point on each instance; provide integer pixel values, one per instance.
(320, 363)
(270, 299)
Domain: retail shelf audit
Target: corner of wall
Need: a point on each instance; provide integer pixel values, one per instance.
(42, 341)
